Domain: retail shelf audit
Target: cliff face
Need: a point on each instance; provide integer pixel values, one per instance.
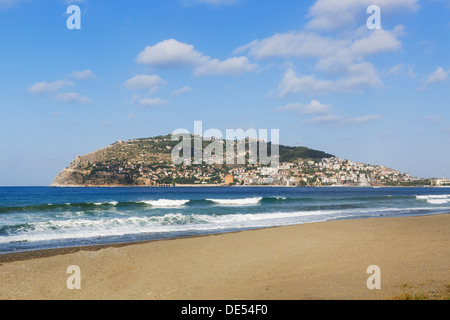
(67, 178)
(117, 164)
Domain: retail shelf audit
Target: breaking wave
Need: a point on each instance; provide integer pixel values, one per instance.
(236, 202)
(435, 199)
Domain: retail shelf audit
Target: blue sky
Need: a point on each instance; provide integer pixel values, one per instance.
(311, 69)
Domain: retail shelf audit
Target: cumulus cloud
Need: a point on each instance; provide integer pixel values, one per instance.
(291, 84)
(174, 54)
(72, 97)
(325, 49)
(332, 15)
(170, 54)
(343, 121)
(151, 102)
(45, 87)
(314, 107)
(322, 114)
(358, 78)
(52, 90)
(232, 66)
(182, 90)
(144, 82)
(345, 58)
(440, 75)
(293, 44)
(401, 69)
(83, 75)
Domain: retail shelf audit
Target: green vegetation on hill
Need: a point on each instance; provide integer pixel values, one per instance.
(290, 154)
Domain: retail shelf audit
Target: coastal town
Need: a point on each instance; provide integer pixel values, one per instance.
(300, 173)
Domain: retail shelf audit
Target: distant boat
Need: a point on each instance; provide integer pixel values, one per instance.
(377, 187)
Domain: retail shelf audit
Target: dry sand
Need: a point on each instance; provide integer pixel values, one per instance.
(325, 260)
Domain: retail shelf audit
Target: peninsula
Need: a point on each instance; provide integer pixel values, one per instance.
(148, 162)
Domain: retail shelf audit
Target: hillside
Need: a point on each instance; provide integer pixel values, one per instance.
(147, 162)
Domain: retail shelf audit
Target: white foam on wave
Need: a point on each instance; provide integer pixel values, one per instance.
(435, 199)
(164, 203)
(106, 227)
(438, 196)
(438, 201)
(236, 202)
(84, 228)
(112, 203)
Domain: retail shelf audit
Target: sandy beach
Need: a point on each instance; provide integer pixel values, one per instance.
(326, 260)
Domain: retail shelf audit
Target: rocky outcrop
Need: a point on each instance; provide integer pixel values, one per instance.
(68, 178)
(115, 165)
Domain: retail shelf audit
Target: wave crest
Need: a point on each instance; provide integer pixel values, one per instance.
(435, 199)
(165, 203)
(236, 202)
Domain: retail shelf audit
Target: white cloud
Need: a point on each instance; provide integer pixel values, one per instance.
(395, 70)
(174, 54)
(170, 54)
(232, 66)
(322, 114)
(83, 75)
(144, 82)
(182, 90)
(401, 69)
(440, 75)
(45, 87)
(152, 102)
(359, 77)
(314, 107)
(293, 44)
(51, 90)
(72, 97)
(332, 15)
(308, 84)
(377, 41)
(360, 120)
(344, 58)
(343, 121)
(326, 50)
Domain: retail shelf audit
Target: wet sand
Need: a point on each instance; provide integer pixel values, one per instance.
(326, 260)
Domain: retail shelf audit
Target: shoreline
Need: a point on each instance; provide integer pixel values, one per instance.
(322, 260)
(51, 252)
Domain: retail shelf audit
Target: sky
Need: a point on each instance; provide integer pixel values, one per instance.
(312, 69)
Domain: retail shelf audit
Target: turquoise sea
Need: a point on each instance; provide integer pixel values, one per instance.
(33, 218)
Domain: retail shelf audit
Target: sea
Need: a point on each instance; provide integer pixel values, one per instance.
(35, 218)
